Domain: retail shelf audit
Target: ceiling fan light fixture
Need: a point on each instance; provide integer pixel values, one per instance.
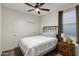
(37, 9)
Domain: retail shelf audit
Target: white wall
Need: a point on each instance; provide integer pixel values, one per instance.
(0, 28)
(50, 19)
(16, 25)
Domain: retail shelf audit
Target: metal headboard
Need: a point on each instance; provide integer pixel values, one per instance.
(50, 28)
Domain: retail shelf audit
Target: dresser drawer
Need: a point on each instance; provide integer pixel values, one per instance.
(66, 49)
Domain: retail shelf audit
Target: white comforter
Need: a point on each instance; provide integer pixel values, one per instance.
(36, 45)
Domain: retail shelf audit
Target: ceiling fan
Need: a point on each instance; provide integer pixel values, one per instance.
(37, 7)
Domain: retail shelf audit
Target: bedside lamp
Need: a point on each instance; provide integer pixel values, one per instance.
(63, 36)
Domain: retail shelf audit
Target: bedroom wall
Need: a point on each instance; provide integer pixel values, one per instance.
(17, 25)
(0, 28)
(50, 19)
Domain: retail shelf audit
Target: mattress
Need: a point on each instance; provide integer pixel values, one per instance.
(36, 45)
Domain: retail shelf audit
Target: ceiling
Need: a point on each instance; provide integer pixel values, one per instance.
(23, 7)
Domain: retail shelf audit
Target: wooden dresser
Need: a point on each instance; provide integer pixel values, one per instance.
(66, 49)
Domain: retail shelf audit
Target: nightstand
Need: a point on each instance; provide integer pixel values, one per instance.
(66, 49)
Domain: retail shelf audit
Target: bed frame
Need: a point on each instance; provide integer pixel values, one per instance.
(50, 29)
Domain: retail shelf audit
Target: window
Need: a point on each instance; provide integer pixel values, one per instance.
(69, 23)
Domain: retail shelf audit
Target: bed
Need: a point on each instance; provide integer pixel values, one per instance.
(40, 44)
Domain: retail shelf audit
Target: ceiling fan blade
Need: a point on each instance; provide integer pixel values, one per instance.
(38, 12)
(29, 5)
(44, 9)
(41, 4)
(31, 10)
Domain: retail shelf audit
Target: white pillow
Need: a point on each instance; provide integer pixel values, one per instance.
(49, 34)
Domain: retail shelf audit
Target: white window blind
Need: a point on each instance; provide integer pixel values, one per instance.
(69, 22)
